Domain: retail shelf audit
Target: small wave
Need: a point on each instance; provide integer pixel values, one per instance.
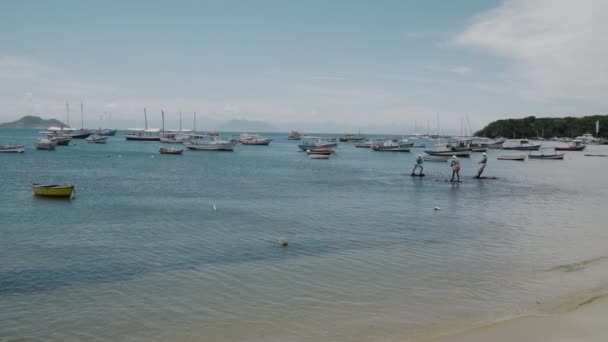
(577, 266)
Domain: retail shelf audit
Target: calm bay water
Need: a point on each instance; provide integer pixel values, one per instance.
(141, 254)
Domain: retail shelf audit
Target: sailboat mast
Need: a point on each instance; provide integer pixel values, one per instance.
(67, 110)
(162, 111)
(194, 122)
(81, 116)
(145, 118)
(180, 120)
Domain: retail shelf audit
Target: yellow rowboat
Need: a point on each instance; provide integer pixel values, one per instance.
(53, 190)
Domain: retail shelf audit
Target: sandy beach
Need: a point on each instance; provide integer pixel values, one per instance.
(583, 322)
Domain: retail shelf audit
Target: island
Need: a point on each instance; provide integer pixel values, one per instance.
(33, 122)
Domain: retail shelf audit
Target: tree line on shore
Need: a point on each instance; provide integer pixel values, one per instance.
(531, 127)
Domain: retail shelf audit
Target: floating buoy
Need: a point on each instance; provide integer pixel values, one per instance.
(283, 243)
(436, 208)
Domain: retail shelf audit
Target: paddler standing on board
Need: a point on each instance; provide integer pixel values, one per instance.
(455, 164)
(419, 161)
(482, 164)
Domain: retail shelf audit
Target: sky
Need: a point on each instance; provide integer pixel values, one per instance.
(376, 66)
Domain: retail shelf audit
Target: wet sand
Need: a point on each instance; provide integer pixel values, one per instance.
(587, 321)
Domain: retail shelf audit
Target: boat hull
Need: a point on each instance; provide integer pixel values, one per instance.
(53, 190)
(390, 149)
(228, 147)
(571, 148)
(171, 151)
(141, 138)
(12, 148)
(522, 148)
(515, 158)
(462, 154)
(547, 157)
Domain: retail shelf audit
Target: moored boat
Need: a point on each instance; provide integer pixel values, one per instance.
(96, 139)
(294, 135)
(554, 156)
(369, 143)
(520, 145)
(349, 137)
(214, 144)
(318, 142)
(106, 132)
(53, 190)
(576, 145)
(46, 144)
(449, 153)
(12, 148)
(252, 139)
(391, 145)
(170, 151)
(520, 157)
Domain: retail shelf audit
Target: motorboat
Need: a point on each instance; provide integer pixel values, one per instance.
(214, 144)
(60, 137)
(520, 145)
(576, 145)
(252, 139)
(46, 144)
(170, 151)
(318, 142)
(12, 148)
(106, 132)
(588, 139)
(53, 190)
(369, 143)
(390, 145)
(520, 157)
(294, 135)
(96, 139)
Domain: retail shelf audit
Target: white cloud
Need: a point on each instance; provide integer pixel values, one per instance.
(560, 46)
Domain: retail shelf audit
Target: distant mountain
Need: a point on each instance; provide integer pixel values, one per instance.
(241, 125)
(33, 122)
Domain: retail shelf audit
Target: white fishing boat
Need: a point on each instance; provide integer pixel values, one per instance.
(12, 148)
(369, 143)
(46, 144)
(213, 144)
(96, 139)
(520, 145)
(391, 145)
(548, 156)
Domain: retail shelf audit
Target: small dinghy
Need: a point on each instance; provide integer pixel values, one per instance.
(12, 148)
(556, 156)
(96, 139)
(53, 190)
(170, 151)
(521, 157)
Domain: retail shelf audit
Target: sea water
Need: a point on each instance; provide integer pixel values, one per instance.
(164, 247)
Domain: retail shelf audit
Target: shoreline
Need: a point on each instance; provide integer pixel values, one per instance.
(581, 320)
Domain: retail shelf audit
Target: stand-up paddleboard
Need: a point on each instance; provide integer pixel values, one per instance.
(415, 175)
(484, 177)
(448, 181)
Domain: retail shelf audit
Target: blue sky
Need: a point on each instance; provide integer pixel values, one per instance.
(312, 65)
